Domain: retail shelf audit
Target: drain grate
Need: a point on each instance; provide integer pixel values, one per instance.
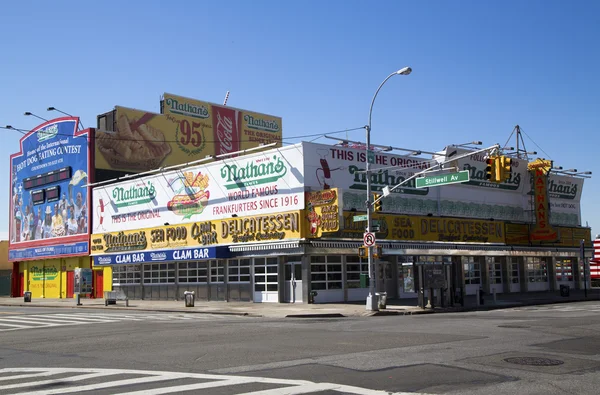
(534, 361)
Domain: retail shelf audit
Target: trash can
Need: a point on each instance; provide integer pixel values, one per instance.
(381, 300)
(565, 290)
(189, 298)
(27, 296)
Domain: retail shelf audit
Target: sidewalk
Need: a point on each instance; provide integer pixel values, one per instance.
(304, 310)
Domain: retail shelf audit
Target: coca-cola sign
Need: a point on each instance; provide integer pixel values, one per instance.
(226, 130)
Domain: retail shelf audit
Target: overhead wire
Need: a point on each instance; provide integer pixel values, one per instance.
(207, 141)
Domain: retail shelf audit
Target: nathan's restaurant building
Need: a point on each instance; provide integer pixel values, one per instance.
(277, 225)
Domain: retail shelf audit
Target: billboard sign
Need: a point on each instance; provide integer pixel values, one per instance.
(232, 128)
(343, 167)
(134, 141)
(261, 183)
(48, 200)
(257, 228)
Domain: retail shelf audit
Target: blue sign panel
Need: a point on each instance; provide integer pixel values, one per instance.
(48, 251)
(48, 197)
(183, 254)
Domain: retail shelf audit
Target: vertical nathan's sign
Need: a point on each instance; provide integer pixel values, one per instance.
(542, 231)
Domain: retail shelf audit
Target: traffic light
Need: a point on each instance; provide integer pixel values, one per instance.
(498, 168)
(490, 169)
(506, 166)
(376, 204)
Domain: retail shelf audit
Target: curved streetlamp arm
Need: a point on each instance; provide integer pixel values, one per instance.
(374, 96)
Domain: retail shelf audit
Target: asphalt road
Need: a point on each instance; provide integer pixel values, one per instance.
(552, 349)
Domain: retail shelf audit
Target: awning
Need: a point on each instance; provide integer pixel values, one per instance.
(284, 245)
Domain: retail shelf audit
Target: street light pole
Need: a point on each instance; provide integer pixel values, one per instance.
(372, 304)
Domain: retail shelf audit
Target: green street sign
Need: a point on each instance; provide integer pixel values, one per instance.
(358, 218)
(371, 156)
(443, 179)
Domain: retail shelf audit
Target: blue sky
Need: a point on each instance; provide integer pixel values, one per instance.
(479, 68)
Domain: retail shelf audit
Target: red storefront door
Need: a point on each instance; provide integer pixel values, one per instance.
(70, 283)
(98, 284)
(21, 284)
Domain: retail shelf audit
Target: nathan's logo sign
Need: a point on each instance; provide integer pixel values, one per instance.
(47, 133)
(477, 175)
(125, 242)
(561, 189)
(382, 179)
(542, 231)
(134, 195)
(47, 273)
(261, 124)
(191, 196)
(189, 110)
(323, 211)
(262, 228)
(262, 171)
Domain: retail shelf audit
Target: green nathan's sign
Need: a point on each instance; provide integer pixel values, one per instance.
(442, 179)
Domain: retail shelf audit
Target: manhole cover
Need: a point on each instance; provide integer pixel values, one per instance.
(513, 326)
(534, 361)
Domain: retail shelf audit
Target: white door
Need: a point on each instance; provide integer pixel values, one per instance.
(515, 283)
(293, 282)
(265, 280)
(495, 277)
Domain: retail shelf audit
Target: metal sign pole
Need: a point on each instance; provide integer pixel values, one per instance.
(582, 252)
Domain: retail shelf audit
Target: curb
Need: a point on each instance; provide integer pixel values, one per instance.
(316, 315)
(163, 310)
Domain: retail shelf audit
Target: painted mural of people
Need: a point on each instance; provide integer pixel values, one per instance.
(58, 224)
(39, 228)
(26, 223)
(72, 226)
(48, 224)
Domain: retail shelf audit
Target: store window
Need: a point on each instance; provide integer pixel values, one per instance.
(239, 271)
(326, 272)
(494, 264)
(471, 269)
(159, 273)
(217, 271)
(265, 274)
(355, 266)
(536, 270)
(192, 272)
(564, 269)
(126, 274)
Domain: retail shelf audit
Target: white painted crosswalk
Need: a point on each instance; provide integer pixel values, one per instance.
(47, 381)
(564, 308)
(33, 321)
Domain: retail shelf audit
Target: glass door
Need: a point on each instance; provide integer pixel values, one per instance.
(266, 287)
(292, 282)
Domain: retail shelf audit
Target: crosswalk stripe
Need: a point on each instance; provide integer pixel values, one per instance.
(27, 376)
(14, 326)
(50, 382)
(75, 317)
(40, 320)
(103, 385)
(166, 382)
